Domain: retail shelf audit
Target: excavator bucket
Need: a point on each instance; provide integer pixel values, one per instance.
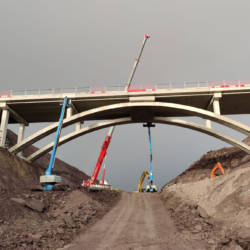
(217, 166)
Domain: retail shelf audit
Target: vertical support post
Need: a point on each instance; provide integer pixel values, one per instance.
(21, 132)
(69, 112)
(78, 126)
(4, 125)
(20, 135)
(216, 103)
(208, 123)
(216, 106)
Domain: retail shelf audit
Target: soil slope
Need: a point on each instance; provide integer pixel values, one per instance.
(31, 218)
(224, 200)
(16, 172)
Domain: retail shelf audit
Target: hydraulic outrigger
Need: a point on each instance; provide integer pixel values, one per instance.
(91, 183)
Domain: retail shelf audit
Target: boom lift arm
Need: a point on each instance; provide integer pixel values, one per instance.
(111, 130)
(48, 178)
(151, 187)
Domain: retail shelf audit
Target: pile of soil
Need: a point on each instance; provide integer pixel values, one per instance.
(31, 218)
(14, 169)
(215, 210)
(49, 219)
(231, 159)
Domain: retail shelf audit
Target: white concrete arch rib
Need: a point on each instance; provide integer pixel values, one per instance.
(128, 120)
(124, 110)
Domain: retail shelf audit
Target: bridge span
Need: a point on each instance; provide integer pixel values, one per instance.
(210, 103)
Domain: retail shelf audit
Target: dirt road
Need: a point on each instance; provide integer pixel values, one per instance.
(138, 221)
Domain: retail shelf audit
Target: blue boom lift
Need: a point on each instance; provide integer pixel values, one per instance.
(48, 180)
(151, 187)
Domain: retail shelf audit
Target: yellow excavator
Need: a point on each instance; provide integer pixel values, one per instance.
(144, 174)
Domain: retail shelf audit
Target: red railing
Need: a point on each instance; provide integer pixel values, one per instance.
(133, 88)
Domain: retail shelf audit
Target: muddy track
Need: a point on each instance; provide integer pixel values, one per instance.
(138, 221)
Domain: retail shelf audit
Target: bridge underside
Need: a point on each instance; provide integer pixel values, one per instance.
(122, 121)
(138, 112)
(45, 108)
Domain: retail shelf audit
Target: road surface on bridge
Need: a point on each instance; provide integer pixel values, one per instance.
(139, 221)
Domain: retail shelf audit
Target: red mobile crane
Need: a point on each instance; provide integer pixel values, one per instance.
(91, 183)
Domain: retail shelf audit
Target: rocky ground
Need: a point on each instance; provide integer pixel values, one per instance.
(200, 212)
(34, 219)
(31, 218)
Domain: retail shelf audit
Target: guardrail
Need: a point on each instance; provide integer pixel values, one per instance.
(133, 88)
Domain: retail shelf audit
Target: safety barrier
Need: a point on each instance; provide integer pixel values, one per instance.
(133, 88)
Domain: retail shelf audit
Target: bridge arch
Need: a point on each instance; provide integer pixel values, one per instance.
(128, 120)
(126, 108)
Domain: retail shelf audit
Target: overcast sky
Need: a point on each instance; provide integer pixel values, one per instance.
(46, 44)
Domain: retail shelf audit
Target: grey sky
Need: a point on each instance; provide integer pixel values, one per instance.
(45, 44)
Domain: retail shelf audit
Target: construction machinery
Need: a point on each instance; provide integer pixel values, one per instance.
(216, 172)
(48, 180)
(151, 187)
(90, 184)
(144, 174)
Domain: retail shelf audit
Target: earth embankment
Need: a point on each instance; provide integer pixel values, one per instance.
(16, 173)
(225, 199)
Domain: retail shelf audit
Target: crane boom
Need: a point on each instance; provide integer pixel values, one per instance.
(111, 130)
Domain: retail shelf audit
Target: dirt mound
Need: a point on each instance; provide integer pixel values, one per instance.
(31, 218)
(16, 172)
(217, 209)
(49, 219)
(231, 160)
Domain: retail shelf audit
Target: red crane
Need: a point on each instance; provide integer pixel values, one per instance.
(91, 183)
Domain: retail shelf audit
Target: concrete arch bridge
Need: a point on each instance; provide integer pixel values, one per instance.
(125, 108)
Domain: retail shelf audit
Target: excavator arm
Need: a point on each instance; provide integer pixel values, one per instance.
(144, 174)
(218, 165)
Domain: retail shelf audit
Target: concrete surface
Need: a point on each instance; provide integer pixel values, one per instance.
(157, 109)
(46, 108)
(128, 120)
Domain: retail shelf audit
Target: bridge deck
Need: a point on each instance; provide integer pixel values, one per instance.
(46, 108)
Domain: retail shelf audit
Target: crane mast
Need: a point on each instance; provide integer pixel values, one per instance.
(111, 130)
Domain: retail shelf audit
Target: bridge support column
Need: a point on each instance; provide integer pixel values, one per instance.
(4, 125)
(78, 125)
(208, 123)
(20, 135)
(69, 112)
(216, 106)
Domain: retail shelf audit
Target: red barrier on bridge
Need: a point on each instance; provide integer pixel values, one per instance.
(228, 84)
(5, 93)
(142, 87)
(97, 90)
